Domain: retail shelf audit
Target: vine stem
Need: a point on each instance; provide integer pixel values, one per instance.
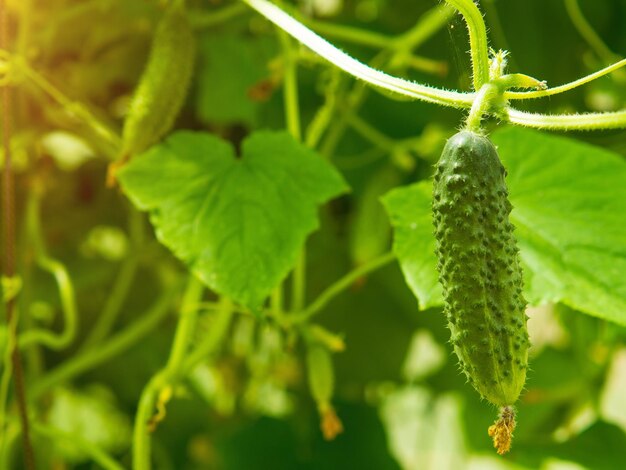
(112, 347)
(353, 66)
(9, 243)
(522, 95)
(292, 116)
(338, 287)
(123, 282)
(427, 25)
(153, 393)
(179, 366)
(203, 19)
(482, 104)
(62, 278)
(209, 345)
(479, 48)
(72, 107)
(480, 64)
(569, 122)
(589, 34)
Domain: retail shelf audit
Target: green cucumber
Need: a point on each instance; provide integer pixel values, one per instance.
(163, 86)
(321, 384)
(479, 268)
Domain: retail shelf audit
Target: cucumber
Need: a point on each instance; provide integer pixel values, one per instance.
(321, 384)
(163, 86)
(479, 268)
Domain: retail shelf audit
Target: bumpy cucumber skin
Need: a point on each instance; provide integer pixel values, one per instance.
(163, 86)
(479, 267)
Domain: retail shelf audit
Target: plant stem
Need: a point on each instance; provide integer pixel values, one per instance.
(359, 36)
(428, 24)
(209, 345)
(339, 286)
(521, 95)
(353, 66)
(482, 105)
(72, 107)
(123, 283)
(298, 286)
(290, 87)
(166, 376)
(588, 33)
(569, 122)
(63, 280)
(5, 380)
(141, 433)
(292, 116)
(369, 132)
(114, 346)
(186, 323)
(209, 19)
(425, 64)
(479, 47)
(9, 243)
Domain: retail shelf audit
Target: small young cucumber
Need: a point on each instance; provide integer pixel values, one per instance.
(322, 383)
(479, 268)
(163, 86)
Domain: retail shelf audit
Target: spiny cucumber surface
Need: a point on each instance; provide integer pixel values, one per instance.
(479, 269)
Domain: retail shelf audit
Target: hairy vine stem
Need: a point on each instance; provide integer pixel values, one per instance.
(353, 66)
(480, 64)
(479, 48)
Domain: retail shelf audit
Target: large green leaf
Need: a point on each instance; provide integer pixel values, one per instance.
(238, 223)
(570, 213)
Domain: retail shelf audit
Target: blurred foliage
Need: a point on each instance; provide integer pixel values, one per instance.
(397, 389)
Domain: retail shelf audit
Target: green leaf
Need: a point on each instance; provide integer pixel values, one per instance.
(239, 224)
(568, 200)
(413, 241)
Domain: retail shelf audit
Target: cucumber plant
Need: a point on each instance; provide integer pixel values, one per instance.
(478, 257)
(235, 212)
